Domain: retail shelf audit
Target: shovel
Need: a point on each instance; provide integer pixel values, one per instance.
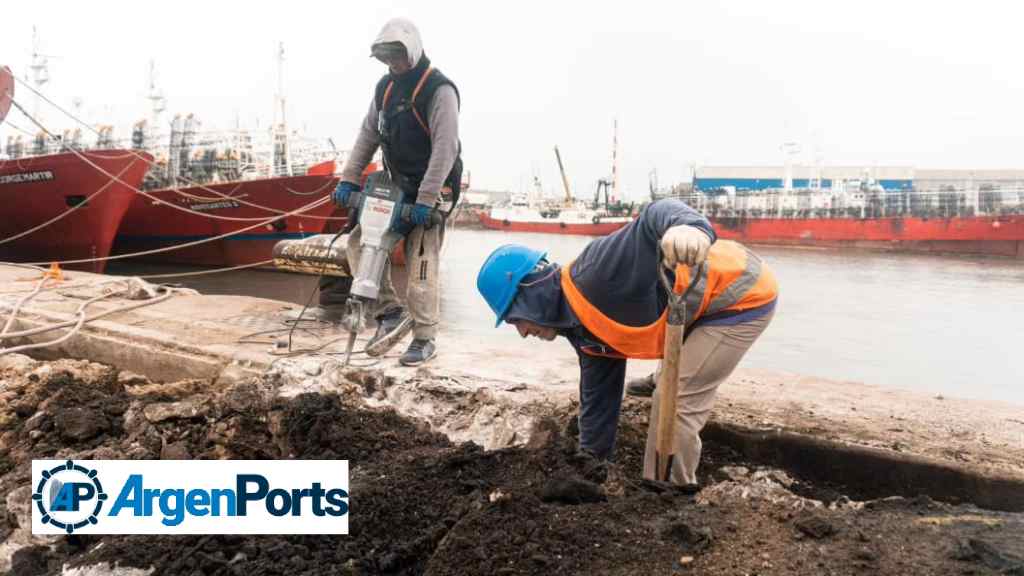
(668, 377)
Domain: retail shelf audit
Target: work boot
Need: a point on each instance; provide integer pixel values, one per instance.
(642, 387)
(391, 327)
(590, 466)
(420, 350)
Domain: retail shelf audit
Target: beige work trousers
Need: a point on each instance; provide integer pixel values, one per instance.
(709, 355)
(423, 290)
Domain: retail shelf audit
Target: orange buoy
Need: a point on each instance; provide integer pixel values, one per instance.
(54, 272)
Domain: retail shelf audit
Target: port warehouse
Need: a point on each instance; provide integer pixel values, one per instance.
(830, 189)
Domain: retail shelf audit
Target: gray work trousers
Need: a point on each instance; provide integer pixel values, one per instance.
(709, 355)
(423, 290)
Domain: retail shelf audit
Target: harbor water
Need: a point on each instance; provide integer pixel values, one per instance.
(949, 326)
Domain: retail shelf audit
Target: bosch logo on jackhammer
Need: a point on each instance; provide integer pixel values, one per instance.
(176, 504)
(190, 497)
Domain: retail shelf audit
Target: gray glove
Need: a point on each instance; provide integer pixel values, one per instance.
(684, 245)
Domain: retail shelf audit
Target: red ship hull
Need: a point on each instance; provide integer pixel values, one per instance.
(980, 235)
(150, 225)
(584, 229)
(38, 189)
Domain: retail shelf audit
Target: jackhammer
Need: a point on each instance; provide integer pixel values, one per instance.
(384, 220)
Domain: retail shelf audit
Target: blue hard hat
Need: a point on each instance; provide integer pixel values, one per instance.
(501, 273)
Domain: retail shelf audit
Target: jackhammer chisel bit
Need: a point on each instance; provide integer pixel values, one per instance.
(354, 324)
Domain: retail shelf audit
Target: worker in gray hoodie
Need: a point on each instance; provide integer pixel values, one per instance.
(414, 120)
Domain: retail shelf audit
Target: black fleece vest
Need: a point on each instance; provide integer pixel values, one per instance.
(404, 130)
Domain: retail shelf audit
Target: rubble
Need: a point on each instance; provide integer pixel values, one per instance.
(426, 500)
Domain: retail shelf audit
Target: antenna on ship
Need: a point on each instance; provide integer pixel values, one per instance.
(615, 161)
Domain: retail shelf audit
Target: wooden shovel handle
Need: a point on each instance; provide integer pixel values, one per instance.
(668, 377)
(667, 389)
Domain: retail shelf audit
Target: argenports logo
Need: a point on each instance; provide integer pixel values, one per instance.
(69, 497)
(190, 497)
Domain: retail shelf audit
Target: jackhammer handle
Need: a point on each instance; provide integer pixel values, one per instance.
(435, 216)
(354, 199)
(405, 210)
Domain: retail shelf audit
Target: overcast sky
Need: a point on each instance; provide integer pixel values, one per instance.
(923, 83)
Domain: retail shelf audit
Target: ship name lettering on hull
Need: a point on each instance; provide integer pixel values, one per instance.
(27, 177)
(206, 206)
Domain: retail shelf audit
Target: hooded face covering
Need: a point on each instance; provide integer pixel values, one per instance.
(389, 52)
(401, 31)
(540, 299)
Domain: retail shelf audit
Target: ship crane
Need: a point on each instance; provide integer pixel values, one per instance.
(565, 180)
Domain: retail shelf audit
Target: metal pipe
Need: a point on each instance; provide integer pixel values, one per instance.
(312, 256)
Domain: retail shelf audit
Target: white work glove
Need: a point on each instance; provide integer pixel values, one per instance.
(684, 245)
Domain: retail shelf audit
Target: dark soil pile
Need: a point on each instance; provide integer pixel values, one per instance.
(421, 505)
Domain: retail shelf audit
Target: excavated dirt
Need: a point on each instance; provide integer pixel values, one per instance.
(423, 505)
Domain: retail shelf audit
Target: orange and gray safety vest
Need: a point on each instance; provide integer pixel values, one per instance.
(733, 279)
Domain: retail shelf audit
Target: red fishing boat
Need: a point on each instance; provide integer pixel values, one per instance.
(63, 205)
(580, 222)
(66, 206)
(231, 223)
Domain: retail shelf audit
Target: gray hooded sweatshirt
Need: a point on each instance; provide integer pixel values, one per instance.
(442, 118)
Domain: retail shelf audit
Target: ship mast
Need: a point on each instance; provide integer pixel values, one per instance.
(40, 71)
(790, 149)
(155, 96)
(157, 103)
(282, 158)
(539, 192)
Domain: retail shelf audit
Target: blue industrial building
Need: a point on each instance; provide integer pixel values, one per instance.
(891, 178)
(753, 184)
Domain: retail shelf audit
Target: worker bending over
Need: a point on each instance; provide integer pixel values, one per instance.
(608, 303)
